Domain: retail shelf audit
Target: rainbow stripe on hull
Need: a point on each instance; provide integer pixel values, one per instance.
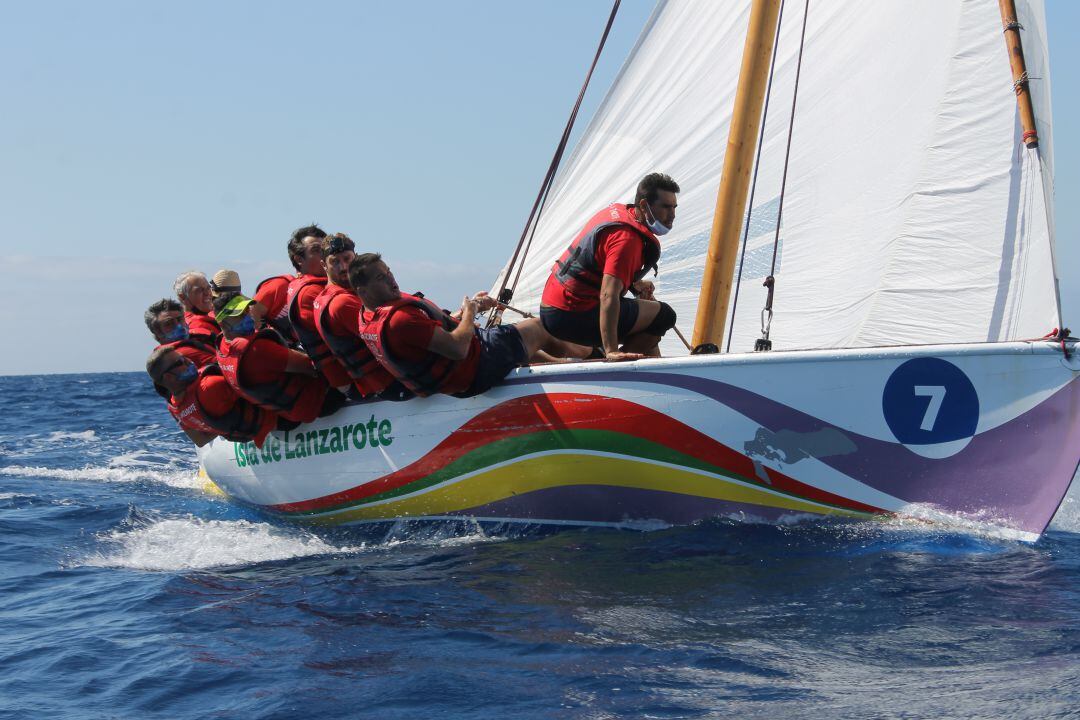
(676, 441)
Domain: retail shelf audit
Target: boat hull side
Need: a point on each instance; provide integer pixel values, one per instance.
(987, 433)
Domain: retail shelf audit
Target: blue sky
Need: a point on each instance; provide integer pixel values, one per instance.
(142, 139)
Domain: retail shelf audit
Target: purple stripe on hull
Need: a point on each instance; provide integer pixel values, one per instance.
(611, 504)
(1025, 465)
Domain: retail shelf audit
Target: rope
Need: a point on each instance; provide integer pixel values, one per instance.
(753, 182)
(545, 186)
(767, 314)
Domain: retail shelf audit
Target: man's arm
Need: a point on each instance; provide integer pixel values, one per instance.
(611, 290)
(455, 344)
(300, 364)
(197, 436)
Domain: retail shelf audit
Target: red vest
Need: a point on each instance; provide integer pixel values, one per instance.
(243, 422)
(195, 351)
(280, 395)
(351, 351)
(577, 270)
(202, 327)
(315, 347)
(425, 377)
(278, 317)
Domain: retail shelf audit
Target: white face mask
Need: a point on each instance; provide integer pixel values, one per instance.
(658, 228)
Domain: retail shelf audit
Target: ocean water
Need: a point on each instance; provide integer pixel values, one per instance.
(126, 591)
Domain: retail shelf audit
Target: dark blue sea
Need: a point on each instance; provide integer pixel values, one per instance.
(127, 592)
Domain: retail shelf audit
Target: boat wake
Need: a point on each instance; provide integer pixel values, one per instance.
(182, 478)
(190, 543)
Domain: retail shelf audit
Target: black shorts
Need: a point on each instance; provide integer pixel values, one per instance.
(583, 327)
(501, 350)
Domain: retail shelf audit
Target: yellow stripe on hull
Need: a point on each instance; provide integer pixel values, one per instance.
(551, 471)
(209, 486)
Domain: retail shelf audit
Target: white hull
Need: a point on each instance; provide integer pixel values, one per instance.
(986, 432)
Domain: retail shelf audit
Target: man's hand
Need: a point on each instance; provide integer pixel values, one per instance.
(484, 302)
(468, 311)
(619, 356)
(644, 289)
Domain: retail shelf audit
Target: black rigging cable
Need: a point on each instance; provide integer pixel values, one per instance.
(753, 182)
(764, 343)
(505, 294)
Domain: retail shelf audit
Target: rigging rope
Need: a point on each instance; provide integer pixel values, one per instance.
(505, 294)
(753, 182)
(764, 343)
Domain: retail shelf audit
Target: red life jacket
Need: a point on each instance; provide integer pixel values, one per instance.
(577, 270)
(280, 395)
(314, 345)
(202, 326)
(351, 351)
(278, 317)
(245, 421)
(425, 377)
(195, 351)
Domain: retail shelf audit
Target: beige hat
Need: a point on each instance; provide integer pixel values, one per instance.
(224, 281)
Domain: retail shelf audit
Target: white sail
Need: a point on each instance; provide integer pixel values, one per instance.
(912, 214)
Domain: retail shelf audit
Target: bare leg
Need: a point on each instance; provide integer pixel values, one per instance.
(533, 336)
(639, 341)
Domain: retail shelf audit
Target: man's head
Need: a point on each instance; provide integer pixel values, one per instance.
(372, 280)
(165, 320)
(234, 315)
(171, 370)
(305, 250)
(193, 290)
(655, 203)
(338, 250)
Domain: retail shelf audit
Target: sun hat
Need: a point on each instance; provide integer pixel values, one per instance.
(224, 281)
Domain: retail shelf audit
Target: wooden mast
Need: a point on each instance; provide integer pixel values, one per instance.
(1019, 72)
(735, 179)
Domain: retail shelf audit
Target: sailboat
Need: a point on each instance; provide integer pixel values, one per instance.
(911, 363)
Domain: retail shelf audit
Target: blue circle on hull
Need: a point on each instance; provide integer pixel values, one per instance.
(928, 401)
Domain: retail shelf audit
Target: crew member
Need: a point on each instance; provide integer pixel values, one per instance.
(203, 403)
(337, 318)
(430, 351)
(264, 370)
(193, 291)
(308, 285)
(165, 321)
(583, 300)
(273, 292)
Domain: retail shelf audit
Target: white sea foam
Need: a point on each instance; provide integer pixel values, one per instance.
(85, 435)
(12, 496)
(186, 479)
(1068, 515)
(190, 543)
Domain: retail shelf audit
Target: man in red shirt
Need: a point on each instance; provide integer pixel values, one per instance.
(203, 403)
(337, 318)
(308, 285)
(430, 351)
(165, 321)
(273, 292)
(265, 371)
(583, 300)
(193, 291)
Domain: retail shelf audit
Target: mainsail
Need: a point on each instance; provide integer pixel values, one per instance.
(913, 213)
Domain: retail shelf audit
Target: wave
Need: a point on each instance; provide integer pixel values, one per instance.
(179, 478)
(1067, 518)
(85, 435)
(190, 543)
